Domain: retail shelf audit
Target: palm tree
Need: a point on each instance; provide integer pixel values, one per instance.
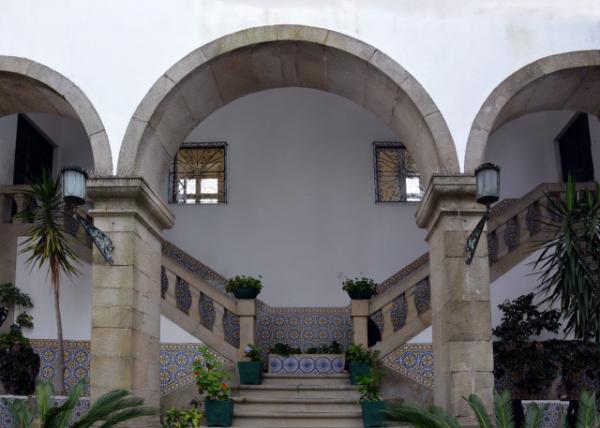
(47, 245)
(569, 262)
(436, 417)
(111, 408)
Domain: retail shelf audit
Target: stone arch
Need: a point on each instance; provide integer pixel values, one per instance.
(27, 86)
(567, 81)
(282, 56)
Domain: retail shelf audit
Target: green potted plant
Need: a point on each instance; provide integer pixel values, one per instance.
(244, 287)
(360, 288)
(251, 371)
(175, 418)
(211, 379)
(372, 406)
(360, 361)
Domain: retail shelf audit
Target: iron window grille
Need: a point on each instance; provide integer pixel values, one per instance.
(198, 174)
(396, 175)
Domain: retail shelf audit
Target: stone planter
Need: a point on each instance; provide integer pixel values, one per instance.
(250, 372)
(372, 413)
(219, 413)
(358, 369)
(309, 364)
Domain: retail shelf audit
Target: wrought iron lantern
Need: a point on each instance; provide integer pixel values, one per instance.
(487, 178)
(73, 185)
(74, 194)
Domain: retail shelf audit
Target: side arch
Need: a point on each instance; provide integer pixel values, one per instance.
(566, 81)
(282, 56)
(27, 86)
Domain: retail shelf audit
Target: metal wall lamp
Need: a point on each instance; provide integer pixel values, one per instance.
(487, 177)
(74, 194)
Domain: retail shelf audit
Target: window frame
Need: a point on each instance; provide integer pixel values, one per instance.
(387, 145)
(172, 194)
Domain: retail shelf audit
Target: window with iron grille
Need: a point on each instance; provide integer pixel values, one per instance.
(198, 174)
(396, 175)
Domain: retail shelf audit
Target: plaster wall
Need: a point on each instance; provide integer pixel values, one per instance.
(459, 51)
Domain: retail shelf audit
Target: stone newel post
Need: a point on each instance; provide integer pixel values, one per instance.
(246, 309)
(125, 339)
(460, 296)
(360, 317)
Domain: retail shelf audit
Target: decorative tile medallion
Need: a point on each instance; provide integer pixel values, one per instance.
(207, 311)
(164, 282)
(492, 240)
(422, 296)
(183, 295)
(307, 364)
(415, 361)
(231, 326)
(511, 234)
(302, 327)
(377, 319)
(533, 219)
(399, 312)
(193, 265)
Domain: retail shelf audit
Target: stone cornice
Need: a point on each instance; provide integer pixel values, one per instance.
(129, 196)
(448, 194)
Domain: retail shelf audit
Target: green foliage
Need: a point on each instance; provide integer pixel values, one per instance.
(504, 410)
(24, 320)
(431, 417)
(333, 348)
(284, 349)
(479, 409)
(368, 386)
(253, 352)
(360, 284)
(243, 281)
(587, 414)
(359, 354)
(185, 418)
(533, 415)
(11, 295)
(568, 265)
(111, 408)
(211, 376)
(522, 319)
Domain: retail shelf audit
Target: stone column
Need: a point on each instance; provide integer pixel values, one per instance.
(460, 296)
(360, 327)
(247, 312)
(125, 339)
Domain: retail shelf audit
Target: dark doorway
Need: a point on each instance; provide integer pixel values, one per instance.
(575, 145)
(33, 152)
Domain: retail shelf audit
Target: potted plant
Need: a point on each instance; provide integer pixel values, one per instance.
(210, 379)
(175, 418)
(360, 288)
(251, 371)
(372, 406)
(244, 287)
(360, 361)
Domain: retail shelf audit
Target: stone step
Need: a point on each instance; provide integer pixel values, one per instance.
(324, 380)
(297, 405)
(292, 419)
(349, 392)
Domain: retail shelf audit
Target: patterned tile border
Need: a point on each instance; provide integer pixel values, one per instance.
(194, 266)
(307, 364)
(415, 361)
(404, 272)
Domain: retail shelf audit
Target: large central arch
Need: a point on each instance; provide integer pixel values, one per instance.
(27, 86)
(282, 56)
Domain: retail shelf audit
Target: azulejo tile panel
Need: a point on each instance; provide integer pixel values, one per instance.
(183, 296)
(415, 361)
(302, 327)
(306, 364)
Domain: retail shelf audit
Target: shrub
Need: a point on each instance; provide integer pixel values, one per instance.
(243, 281)
(360, 284)
(359, 354)
(175, 418)
(368, 386)
(284, 349)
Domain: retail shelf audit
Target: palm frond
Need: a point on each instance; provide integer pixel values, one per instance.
(434, 417)
(21, 413)
(127, 414)
(60, 416)
(503, 409)
(114, 405)
(586, 414)
(43, 397)
(480, 411)
(533, 416)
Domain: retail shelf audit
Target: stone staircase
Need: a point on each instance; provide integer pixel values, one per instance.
(298, 401)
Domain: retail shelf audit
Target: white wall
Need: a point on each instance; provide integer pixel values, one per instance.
(115, 50)
(301, 208)
(72, 146)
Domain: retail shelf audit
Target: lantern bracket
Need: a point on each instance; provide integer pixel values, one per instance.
(99, 238)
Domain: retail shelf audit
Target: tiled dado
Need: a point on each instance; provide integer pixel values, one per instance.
(415, 361)
(307, 364)
(302, 327)
(175, 363)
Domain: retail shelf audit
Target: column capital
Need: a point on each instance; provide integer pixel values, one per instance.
(129, 196)
(448, 195)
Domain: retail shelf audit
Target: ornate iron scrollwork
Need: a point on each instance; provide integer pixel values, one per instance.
(99, 238)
